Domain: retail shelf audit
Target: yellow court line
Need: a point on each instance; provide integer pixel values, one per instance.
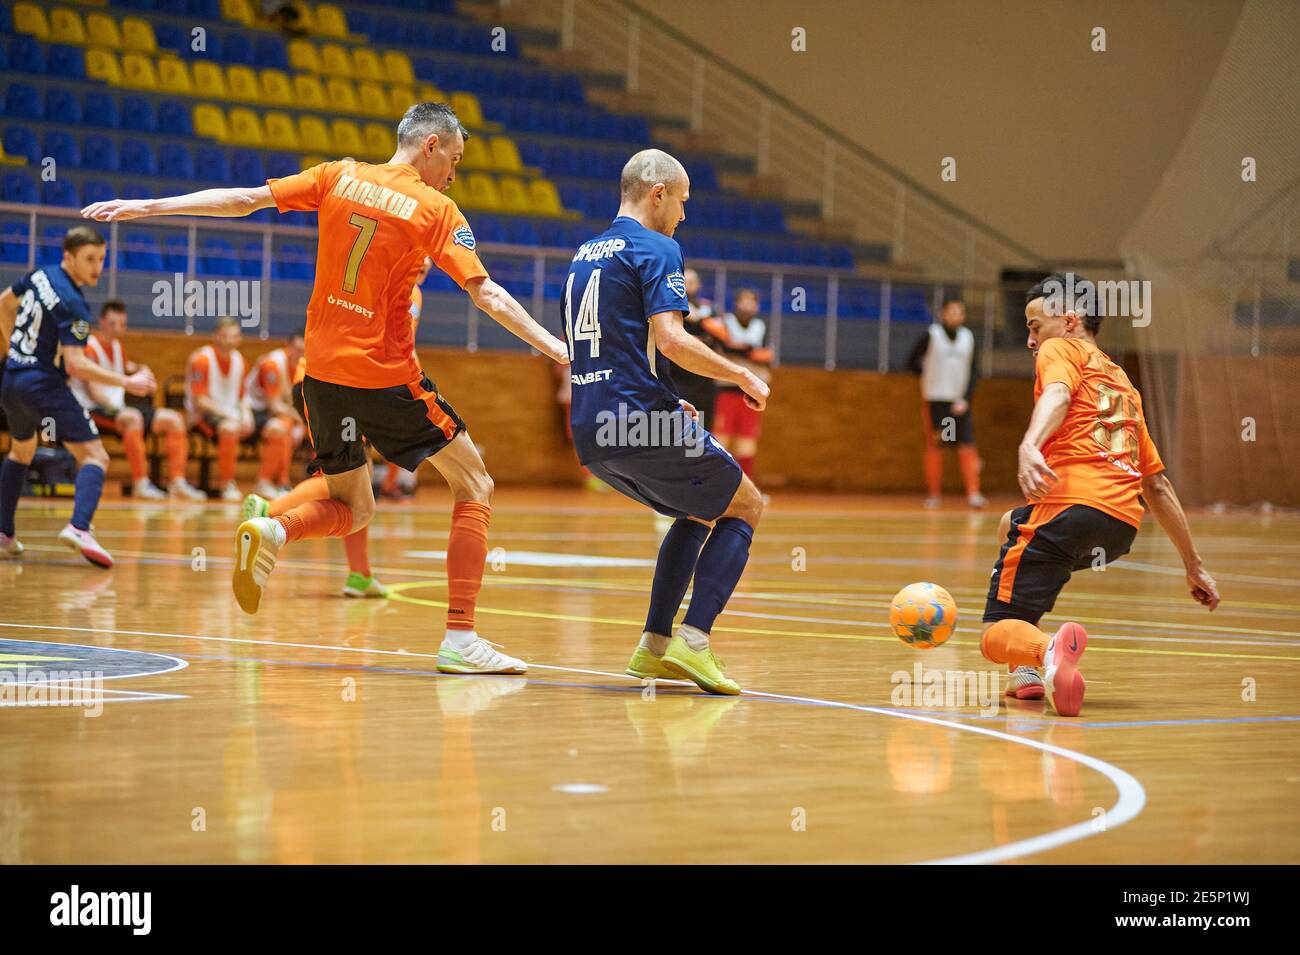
(396, 591)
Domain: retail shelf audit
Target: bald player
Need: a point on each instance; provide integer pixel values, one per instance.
(377, 224)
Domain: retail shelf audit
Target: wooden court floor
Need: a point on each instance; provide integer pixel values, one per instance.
(319, 730)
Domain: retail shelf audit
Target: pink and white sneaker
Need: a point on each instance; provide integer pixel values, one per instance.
(1063, 682)
(1025, 683)
(85, 545)
(10, 547)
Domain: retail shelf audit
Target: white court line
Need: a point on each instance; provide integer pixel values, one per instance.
(1132, 797)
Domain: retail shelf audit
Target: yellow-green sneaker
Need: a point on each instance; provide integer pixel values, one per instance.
(704, 667)
(644, 665)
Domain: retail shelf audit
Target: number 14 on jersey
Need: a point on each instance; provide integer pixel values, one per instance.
(587, 325)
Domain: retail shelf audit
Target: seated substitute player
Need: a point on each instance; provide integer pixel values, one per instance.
(113, 412)
(623, 305)
(276, 422)
(217, 403)
(736, 424)
(1086, 465)
(45, 319)
(377, 223)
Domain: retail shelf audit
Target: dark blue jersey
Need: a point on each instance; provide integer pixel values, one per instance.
(52, 313)
(616, 282)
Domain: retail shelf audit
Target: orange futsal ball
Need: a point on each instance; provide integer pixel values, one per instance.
(923, 615)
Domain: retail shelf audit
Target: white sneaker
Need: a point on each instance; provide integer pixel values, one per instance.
(10, 547)
(85, 544)
(933, 502)
(264, 488)
(185, 491)
(146, 490)
(257, 546)
(478, 657)
(977, 501)
(232, 494)
(1025, 683)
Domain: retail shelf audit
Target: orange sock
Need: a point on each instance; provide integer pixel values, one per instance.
(272, 456)
(357, 547)
(178, 451)
(933, 471)
(390, 478)
(969, 460)
(1015, 642)
(227, 454)
(133, 445)
(316, 519)
(466, 554)
(312, 489)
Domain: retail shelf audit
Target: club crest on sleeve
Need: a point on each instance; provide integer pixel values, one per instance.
(463, 236)
(81, 328)
(677, 282)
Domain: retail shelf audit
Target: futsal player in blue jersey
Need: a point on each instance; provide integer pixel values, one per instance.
(623, 305)
(46, 321)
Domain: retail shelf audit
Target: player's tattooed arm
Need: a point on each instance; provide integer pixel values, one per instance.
(1158, 492)
(228, 203)
(682, 348)
(1032, 472)
(514, 318)
(78, 365)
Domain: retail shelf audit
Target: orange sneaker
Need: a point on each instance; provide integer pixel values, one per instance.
(1063, 682)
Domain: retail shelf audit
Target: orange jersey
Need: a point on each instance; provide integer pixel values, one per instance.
(1102, 451)
(377, 223)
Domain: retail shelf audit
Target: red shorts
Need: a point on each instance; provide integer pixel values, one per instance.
(732, 417)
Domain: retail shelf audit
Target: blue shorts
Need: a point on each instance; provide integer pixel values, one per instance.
(674, 480)
(30, 396)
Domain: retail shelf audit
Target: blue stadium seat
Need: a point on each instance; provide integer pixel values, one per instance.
(20, 187)
(146, 4)
(62, 148)
(271, 53)
(99, 152)
(279, 165)
(217, 257)
(293, 263)
(137, 158)
(65, 62)
(211, 165)
(520, 232)
(4, 55)
(550, 233)
(140, 253)
(387, 26)
(22, 101)
(488, 228)
(137, 190)
(19, 141)
(100, 109)
(246, 166)
(138, 114)
(26, 55)
(176, 161)
(841, 257)
(250, 259)
(61, 106)
(238, 48)
(170, 36)
(174, 118)
(176, 253)
(573, 197)
(209, 9)
(49, 248)
(60, 192)
(359, 21)
(96, 190)
(13, 243)
(211, 48)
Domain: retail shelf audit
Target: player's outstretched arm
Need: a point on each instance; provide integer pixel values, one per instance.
(684, 349)
(229, 203)
(1035, 477)
(1158, 492)
(514, 318)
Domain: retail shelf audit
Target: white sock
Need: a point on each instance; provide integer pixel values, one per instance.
(459, 639)
(654, 642)
(695, 639)
(278, 532)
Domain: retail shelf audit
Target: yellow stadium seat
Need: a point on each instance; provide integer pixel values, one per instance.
(400, 99)
(101, 28)
(428, 93)
(458, 194)
(397, 66)
(313, 135)
(366, 65)
(334, 60)
(331, 22)
(242, 83)
(505, 154)
(138, 72)
(477, 155)
(174, 76)
(483, 191)
(11, 160)
(346, 138)
(210, 122)
(544, 198)
(303, 56)
(467, 108)
(341, 96)
(29, 18)
(137, 34)
(306, 22)
(245, 127)
(381, 141)
(280, 131)
(275, 88)
(66, 27)
(101, 64)
(308, 92)
(209, 79)
(309, 161)
(514, 194)
(371, 99)
(240, 11)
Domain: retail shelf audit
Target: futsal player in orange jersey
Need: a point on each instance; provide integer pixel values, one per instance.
(1086, 465)
(377, 223)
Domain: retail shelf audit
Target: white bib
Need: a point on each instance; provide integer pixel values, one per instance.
(945, 373)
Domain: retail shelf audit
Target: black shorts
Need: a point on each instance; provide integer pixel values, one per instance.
(313, 466)
(949, 428)
(106, 418)
(35, 400)
(405, 423)
(1046, 544)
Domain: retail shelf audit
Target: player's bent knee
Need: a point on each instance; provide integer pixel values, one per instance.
(747, 504)
(165, 420)
(130, 420)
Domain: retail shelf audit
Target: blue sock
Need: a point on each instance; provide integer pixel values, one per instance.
(721, 563)
(11, 487)
(90, 483)
(677, 556)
